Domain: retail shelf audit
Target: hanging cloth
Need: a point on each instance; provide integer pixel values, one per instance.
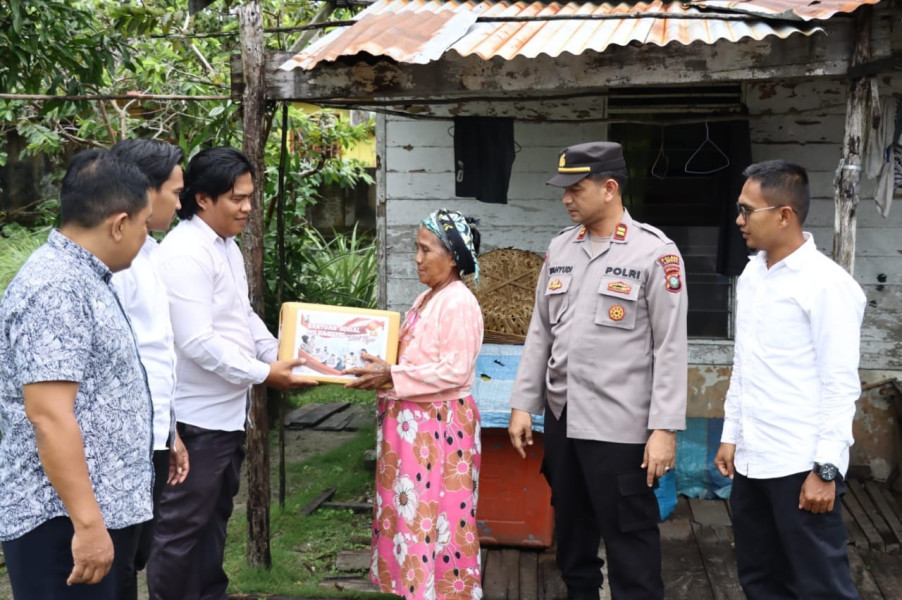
(883, 159)
(483, 157)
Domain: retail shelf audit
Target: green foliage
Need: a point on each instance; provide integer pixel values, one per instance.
(152, 47)
(340, 270)
(16, 245)
(52, 47)
(304, 548)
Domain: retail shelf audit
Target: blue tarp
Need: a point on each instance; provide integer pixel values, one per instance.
(696, 475)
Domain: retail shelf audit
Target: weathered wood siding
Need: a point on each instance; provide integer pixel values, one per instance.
(802, 121)
(419, 178)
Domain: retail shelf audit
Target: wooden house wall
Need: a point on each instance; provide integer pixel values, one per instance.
(798, 120)
(803, 121)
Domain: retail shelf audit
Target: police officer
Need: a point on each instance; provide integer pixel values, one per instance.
(605, 359)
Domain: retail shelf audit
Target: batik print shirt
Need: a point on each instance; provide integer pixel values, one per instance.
(61, 321)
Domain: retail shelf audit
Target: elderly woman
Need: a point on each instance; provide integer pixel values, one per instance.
(425, 544)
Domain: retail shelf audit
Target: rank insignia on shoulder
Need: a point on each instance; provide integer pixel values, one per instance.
(555, 284)
(616, 313)
(582, 233)
(620, 232)
(620, 287)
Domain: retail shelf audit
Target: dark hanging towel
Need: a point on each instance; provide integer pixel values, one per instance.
(732, 252)
(483, 157)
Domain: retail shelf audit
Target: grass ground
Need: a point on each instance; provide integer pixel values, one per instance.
(304, 548)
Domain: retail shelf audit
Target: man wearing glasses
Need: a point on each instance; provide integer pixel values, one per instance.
(789, 409)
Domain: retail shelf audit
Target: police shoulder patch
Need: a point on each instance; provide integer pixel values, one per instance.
(672, 278)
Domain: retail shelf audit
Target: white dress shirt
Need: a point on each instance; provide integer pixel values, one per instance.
(223, 347)
(144, 299)
(795, 368)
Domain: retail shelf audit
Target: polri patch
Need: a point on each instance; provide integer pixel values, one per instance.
(620, 232)
(672, 280)
(582, 233)
(616, 312)
(620, 287)
(669, 260)
(555, 284)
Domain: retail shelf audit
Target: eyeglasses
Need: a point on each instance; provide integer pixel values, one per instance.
(744, 211)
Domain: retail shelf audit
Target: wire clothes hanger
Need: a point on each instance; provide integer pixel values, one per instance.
(660, 155)
(707, 140)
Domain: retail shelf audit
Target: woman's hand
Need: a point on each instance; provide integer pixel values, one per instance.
(373, 376)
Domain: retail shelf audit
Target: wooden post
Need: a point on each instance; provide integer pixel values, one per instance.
(848, 176)
(253, 104)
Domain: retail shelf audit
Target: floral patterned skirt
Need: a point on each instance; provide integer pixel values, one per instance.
(425, 543)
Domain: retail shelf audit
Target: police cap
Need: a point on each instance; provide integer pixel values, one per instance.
(582, 160)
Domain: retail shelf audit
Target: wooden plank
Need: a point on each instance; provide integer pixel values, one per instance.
(861, 575)
(710, 512)
(344, 583)
(311, 417)
(323, 496)
(510, 562)
(856, 536)
(715, 544)
(887, 572)
(352, 419)
(494, 580)
(529, 575)
(880, 496)
(353, 560)
(890, 543)
(357, 507)
(551, 584)
(682, 568)
(875, 541)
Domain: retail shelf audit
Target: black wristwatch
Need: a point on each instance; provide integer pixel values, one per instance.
(826, 471)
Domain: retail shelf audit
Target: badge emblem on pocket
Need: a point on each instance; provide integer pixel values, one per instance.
(555, 284)
(616, 313)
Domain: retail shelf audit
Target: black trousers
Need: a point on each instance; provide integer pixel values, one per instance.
(145, 530)
(784, 552)
(599, 491)
(40, 561)
(189, 537)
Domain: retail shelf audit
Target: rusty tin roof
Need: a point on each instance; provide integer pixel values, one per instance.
(421, 31)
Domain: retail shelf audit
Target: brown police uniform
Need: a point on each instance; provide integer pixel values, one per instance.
(606, 359)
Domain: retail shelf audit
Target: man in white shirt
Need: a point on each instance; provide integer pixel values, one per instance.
(788, 413)
(223, 348)
(143, 297)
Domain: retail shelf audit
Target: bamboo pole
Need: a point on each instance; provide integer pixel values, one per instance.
(848, 174)
(253, 103)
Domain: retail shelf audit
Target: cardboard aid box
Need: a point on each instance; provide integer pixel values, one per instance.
(332, 338)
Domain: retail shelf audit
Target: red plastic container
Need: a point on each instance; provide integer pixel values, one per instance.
(514, 498)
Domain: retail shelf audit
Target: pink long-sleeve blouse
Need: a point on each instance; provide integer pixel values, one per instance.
(439, 344)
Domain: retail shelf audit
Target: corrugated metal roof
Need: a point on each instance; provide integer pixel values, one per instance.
(420, 31)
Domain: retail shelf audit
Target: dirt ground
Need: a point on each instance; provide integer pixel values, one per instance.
(298, 446)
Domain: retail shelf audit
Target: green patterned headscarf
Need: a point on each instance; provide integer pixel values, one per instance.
(453, 229)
